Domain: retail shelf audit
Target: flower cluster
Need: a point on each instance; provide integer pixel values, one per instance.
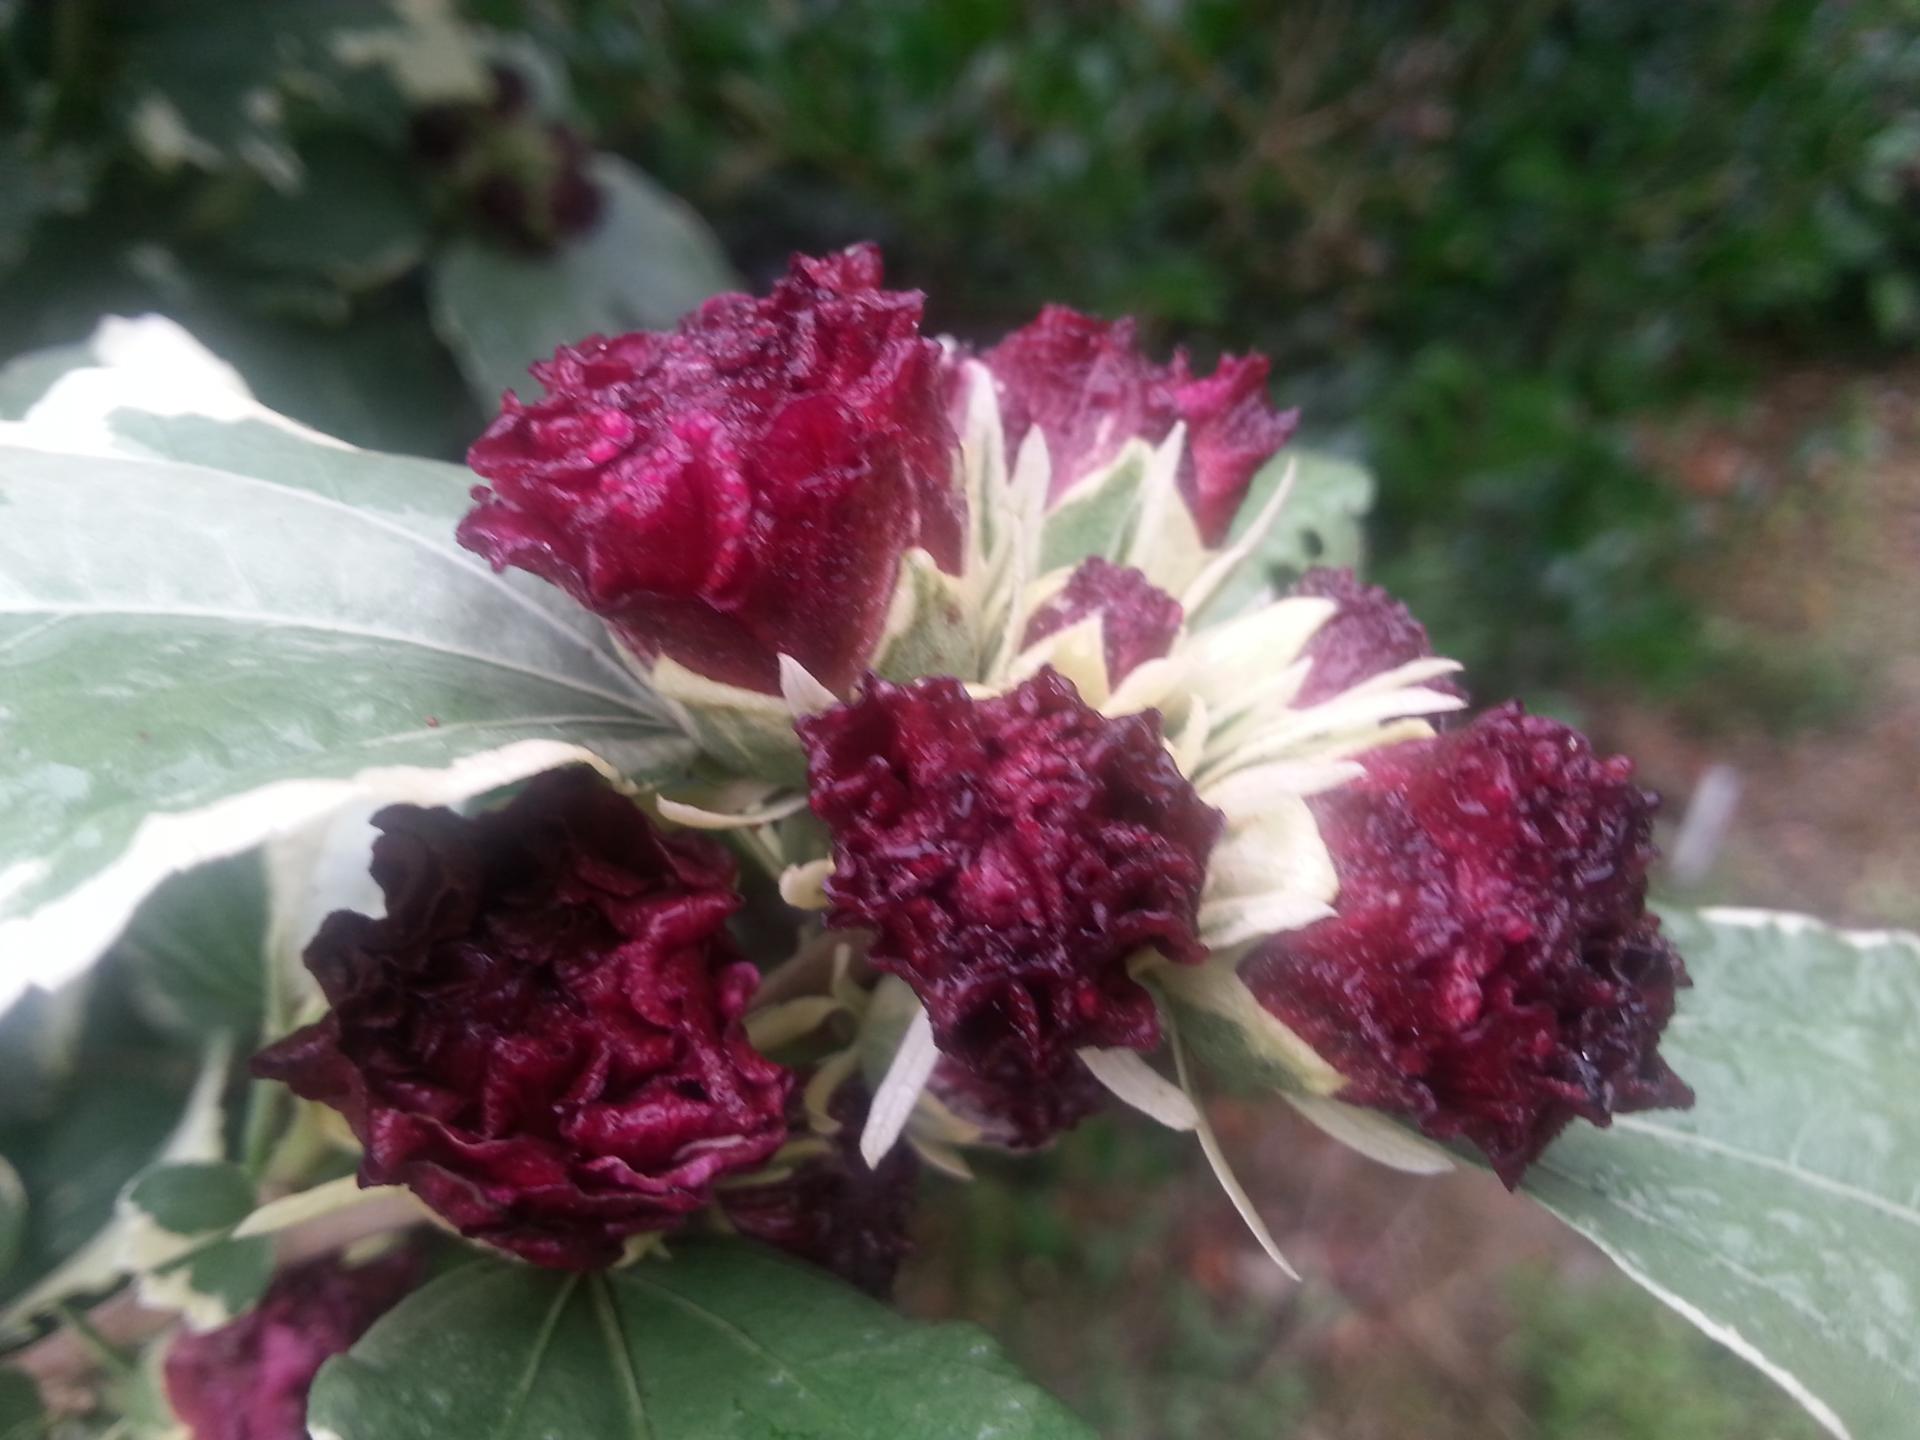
(1077, 772)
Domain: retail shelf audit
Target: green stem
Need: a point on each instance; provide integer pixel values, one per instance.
(266, 1104)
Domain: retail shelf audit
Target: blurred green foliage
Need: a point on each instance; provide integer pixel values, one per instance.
(1127, 1288)
(1484, 243)
(1595, 1362)
(1480, 241)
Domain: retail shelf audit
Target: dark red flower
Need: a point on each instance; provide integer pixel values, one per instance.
(1138, 619)
(833, 1211)
(542, 1039)
(1013, 1105)
(1086, 385)
(249, 1379)
(1010, 855)
(1492, 972)
(740, 487)
(1370, 634)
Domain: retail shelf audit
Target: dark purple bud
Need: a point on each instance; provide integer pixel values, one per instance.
(248, 1380)
(1010, 856)
(741, 487)
(543, 1037)
(1086, 385)
(1492, 973)
(1370, 634)
(1138, 620)
(833, 1211)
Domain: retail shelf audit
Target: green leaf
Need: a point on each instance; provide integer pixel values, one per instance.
(212, 1282)
(13, 1216)
(208, 81)
(1782, 1213)
(1321, 523)
(193, 1198)
(112, 1122)
(21, 1414)
(175, 1223)
(647, 262)
(356, 218)
(25, 378)
(723, 1342)
(196, 949)
(39, 1038)
(199, 658)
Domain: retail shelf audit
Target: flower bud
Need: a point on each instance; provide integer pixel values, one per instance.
(1010, 856)
(542, 1038)
(1138, 621)
(1491, 972)
(831, 1209)
(1369, 634)
(1088, 388)
(742, 487)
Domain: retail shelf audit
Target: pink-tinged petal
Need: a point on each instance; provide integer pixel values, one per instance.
(1085, 383)
(1138, 620)
(248, 1380)
(740, 487)
(1369, 634)
(1010, 855)
(1492, 972)
(543, 1038)
(1231, 432)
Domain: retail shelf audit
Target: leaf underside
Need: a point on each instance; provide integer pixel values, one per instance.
(1782, 1213)
(181, 678)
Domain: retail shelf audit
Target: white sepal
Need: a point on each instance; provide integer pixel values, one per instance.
(1379, 1138)
(1217, 1158)
(1127, 1074)
(1221, 569)
(893, 1102)
(734, 806)
(804, 695)
(804, 886)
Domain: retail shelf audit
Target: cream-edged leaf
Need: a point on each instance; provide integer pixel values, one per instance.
(186, 679)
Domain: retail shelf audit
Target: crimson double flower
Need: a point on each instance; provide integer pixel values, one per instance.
(542, 1038)
(741, 487)
(1010, 857)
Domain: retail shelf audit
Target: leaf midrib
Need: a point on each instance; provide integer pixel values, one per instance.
(542, 1342)
(631, 702)
(372, 518)
(746, 1342)
(1813, 1179)
(1817, 1321)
